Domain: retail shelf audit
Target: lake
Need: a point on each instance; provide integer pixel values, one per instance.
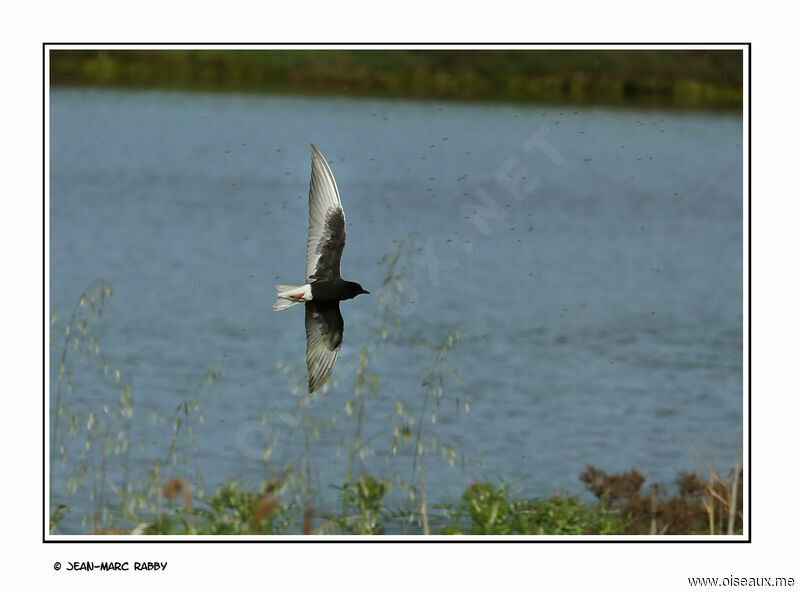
(593, 257)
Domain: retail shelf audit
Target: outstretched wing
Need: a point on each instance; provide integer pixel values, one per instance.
(326, 222)
(324, 332)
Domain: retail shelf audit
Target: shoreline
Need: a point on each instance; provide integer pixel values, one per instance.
(668, 78)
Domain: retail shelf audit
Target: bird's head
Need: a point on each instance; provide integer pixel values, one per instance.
(352, 289)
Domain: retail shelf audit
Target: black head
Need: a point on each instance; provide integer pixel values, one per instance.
(352, 289)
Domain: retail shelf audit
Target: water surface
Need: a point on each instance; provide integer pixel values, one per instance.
(593, 256)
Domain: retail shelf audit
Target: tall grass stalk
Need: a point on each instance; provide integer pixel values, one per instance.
(720, 498)
(78, 337)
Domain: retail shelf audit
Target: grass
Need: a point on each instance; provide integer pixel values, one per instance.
(384, 484)
(484, 508)
(679, 78)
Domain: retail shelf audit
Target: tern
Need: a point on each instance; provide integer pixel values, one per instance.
(324, 287)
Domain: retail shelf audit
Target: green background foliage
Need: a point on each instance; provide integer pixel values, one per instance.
(675, 77)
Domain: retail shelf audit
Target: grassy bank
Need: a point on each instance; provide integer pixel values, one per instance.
(702, 506)
(679, 78)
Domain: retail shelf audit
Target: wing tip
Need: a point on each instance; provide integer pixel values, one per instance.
(316, 382)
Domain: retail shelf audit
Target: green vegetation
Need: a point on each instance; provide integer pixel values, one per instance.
(384, 489)
(485, 509)
(676, 77)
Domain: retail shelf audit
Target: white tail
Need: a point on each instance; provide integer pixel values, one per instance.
(288, 296)
(284, 303)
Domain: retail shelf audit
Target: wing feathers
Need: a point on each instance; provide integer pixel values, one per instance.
(326, 221)
(324, 332)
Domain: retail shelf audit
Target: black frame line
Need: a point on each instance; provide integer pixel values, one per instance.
(46, 46)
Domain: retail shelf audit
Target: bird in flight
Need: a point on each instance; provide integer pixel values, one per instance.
(324, 287)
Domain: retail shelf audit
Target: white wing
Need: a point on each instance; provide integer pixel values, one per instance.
(326, 223)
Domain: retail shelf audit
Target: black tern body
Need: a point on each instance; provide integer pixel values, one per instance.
(324, 287)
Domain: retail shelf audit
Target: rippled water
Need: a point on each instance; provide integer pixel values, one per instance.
(593, 256)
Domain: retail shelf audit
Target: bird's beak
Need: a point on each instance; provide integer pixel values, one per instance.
(363, 291)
